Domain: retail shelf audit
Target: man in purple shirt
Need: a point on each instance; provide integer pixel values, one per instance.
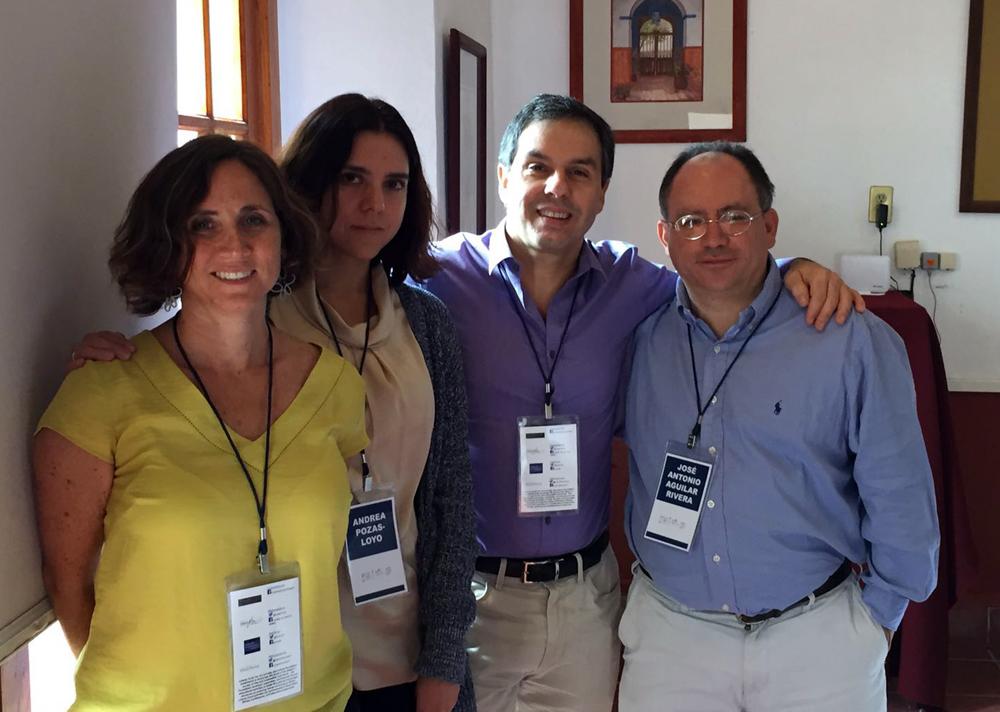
(546, 318)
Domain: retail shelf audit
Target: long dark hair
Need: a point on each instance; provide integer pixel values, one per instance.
(317, 152)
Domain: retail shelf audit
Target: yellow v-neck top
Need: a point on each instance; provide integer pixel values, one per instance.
(181, 519)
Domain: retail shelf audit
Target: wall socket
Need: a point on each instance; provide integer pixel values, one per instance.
(946, 261)
(907, 254)
(879, 194)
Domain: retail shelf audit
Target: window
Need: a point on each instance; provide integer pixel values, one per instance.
(227, 70)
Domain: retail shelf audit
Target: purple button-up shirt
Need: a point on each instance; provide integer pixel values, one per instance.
(618, 289)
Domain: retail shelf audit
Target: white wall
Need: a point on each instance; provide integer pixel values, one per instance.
(88, 104)
(841, 96)
(383, 49)
(396, 50)
(530, 56)
(471, 17)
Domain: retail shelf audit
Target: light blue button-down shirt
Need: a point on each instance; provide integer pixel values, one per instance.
(819, 456)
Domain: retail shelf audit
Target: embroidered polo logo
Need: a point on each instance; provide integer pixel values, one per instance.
(777, 408)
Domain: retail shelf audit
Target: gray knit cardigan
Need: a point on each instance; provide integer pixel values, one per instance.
(446, 540)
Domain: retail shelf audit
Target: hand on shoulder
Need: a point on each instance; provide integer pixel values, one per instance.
(100, 346)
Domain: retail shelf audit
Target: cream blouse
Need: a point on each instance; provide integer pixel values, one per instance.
(399, 418)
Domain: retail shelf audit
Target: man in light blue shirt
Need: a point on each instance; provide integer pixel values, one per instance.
(764, 456)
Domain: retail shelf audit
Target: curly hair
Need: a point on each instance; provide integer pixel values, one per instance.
(152, 248)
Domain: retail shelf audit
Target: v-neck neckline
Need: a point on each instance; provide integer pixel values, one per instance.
(182, 393)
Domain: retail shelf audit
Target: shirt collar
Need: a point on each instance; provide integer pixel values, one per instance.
(498, 252)
(748, 316)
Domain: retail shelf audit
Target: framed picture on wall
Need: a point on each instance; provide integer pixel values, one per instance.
(465, 130)
(662, 71)
(980, 187)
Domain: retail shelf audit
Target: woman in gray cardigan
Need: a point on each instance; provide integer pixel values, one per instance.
(355, 162)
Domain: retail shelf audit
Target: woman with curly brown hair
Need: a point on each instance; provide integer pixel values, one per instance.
(192, 498)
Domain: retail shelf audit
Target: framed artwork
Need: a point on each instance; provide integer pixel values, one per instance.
(465, 134)
(662, 71)
(980, 187)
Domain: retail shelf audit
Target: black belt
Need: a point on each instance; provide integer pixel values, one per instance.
(836, 578)
(544, 570)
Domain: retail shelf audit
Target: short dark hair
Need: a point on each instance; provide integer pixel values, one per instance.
(152, 248)
(758, 176)
(317, 152)
(554, 107)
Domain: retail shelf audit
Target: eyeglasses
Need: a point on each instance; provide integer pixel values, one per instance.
(732, 223)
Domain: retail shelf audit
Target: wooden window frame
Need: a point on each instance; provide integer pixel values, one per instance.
(259, 51)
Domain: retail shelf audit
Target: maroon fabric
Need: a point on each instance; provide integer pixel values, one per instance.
(923, 635)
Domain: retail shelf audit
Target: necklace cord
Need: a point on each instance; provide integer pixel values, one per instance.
(696, 429)
(259, 502)
(369, 303)
(509, 288)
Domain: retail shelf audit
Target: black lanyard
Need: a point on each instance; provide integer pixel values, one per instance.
(260, 503)
(549, 390)
(366, 477)
(696, 430)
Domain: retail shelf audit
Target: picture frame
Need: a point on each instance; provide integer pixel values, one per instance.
(979, 191)
(465, 134)
(662, 71)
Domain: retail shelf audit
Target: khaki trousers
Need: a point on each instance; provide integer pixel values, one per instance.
(547, 647)
(823, 656)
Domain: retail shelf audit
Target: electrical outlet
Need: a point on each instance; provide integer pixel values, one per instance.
(930, 260)
(879, 194)
(907, 254)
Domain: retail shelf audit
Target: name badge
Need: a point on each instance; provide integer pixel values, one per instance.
(265, 625)
(680, 495)
(374, 561)
(549, 472)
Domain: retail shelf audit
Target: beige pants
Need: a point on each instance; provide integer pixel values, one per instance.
(824, 656)
(546, 647)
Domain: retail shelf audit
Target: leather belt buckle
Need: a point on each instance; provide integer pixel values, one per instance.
(525, 572)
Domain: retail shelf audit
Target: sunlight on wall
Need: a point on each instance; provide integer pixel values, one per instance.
(51, 666)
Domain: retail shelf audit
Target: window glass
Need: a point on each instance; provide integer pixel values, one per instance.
(227, 69)
(185, 135)
(191, 98)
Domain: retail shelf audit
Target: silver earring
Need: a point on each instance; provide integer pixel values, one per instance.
(173, 300)
(283, 286)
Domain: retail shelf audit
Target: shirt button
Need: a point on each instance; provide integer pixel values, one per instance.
(717, 349)
(716, 558)
(548, 520)
(712, 450)
(725, 607)
(552, 353)
(711, 504)
(715, 399)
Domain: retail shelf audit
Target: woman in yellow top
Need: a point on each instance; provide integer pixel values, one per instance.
(193, 500)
